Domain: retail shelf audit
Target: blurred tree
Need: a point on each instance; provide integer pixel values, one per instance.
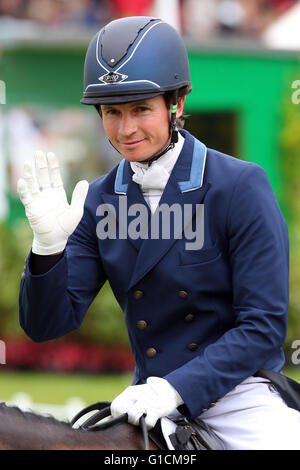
(289, 142)
(104, 323)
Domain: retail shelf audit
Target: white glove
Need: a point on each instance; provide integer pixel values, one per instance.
(155, 399)
(50, 216)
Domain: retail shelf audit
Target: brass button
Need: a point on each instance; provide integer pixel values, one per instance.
(193, 346)
(142, 324)
(138, 294)
(23, 275)
(203, 410)
(151, 352)
(189, 317)
(183, 294)
(212, 404)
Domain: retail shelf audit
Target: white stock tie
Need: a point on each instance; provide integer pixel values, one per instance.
(154, 177)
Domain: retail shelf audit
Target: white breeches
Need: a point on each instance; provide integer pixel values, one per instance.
(252, 416)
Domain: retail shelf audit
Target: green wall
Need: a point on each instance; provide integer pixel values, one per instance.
(252, 84)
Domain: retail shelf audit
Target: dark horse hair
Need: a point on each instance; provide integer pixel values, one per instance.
(26, 430)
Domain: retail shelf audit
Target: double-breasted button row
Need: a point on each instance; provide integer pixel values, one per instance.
(151, 352)
(183, 294)
(210, 406)
(142, 324)
(189, 317)
(138, 294)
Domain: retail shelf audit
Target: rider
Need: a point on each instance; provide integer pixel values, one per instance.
(204, 316)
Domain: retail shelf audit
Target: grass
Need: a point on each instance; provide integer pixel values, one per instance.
(57, 388)
(293, 372)
(53, 388)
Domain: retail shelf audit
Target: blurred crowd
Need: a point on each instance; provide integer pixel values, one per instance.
(197, 18)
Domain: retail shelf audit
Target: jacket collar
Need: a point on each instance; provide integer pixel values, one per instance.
(188, 170)
(185, 186)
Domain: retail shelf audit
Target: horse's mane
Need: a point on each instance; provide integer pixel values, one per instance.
(18, 427)
(31, 416)
(28, 430)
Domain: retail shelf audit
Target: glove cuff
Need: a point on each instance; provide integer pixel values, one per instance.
(39, 249)
(163, 388)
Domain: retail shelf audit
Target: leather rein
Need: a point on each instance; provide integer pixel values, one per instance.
(103, 411)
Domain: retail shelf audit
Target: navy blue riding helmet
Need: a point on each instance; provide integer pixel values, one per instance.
(136, 58)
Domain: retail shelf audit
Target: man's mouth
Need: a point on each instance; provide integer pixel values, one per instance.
(132, 143)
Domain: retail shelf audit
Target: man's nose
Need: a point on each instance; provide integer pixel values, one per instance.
(128, 125)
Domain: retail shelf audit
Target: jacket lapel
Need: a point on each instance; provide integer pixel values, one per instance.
(127, 204)
(185, 186)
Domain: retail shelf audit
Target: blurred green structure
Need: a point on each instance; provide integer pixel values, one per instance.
(245, 87)
(240, 104)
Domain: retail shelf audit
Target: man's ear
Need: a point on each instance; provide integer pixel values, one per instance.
(180, 107)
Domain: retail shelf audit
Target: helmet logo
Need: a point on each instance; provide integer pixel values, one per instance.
(113, 77)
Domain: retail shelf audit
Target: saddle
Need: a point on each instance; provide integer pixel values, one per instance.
(288, 388)
(188, 435)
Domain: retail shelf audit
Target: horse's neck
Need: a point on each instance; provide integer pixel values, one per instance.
(26, 431)
(43, 435)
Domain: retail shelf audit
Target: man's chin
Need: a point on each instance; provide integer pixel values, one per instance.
(136, 159)
(139, 157)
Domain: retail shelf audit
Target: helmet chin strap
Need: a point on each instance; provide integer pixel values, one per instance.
(169, 146)
(173, 137)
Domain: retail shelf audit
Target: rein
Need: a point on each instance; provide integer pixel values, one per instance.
(103, 411)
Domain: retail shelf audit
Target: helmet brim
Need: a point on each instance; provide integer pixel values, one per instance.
(119, 99)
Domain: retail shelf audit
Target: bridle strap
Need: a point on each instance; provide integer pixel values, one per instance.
(145, 432)
(104, 411)
(99, 405)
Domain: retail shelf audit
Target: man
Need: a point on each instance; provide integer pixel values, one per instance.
(204, 293)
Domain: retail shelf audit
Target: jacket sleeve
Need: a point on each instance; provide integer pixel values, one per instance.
(55, 303)
(258, 255)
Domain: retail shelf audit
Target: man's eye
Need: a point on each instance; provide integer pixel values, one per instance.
(110, 111)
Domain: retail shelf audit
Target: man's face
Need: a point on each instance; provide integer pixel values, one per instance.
(137, 130)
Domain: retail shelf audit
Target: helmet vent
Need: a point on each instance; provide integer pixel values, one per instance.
(119, 35)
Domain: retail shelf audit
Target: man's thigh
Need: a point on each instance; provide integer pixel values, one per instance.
(253, 416)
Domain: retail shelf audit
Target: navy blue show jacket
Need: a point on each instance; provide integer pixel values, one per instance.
(203, 319)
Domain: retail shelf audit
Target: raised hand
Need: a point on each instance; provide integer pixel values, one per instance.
(50, 216)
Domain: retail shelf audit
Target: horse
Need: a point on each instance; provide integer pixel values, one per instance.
(26, 430)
